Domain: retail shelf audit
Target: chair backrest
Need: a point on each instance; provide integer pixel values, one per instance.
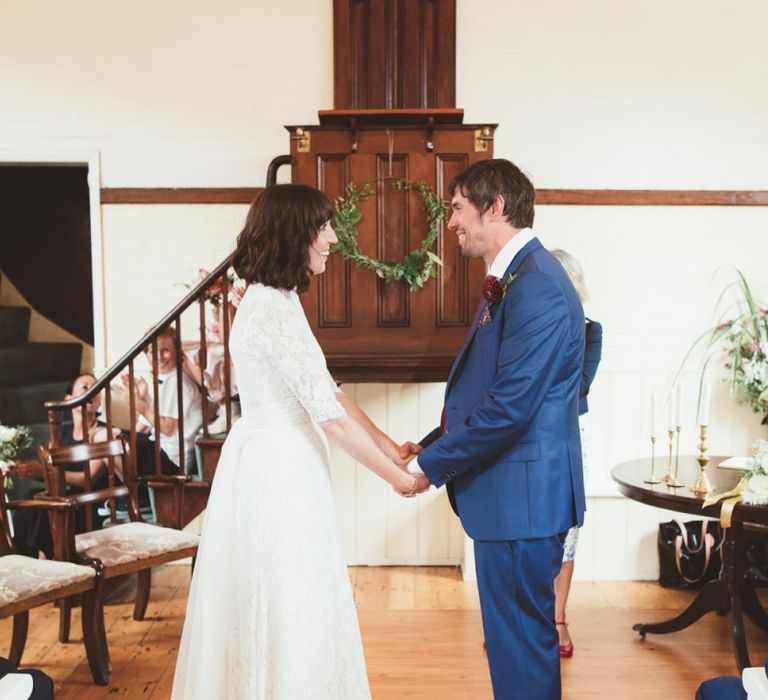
(115, 455)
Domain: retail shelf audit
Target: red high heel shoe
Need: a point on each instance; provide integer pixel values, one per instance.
(566, 650)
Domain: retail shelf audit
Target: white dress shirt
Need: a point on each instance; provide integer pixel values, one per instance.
(511, 248)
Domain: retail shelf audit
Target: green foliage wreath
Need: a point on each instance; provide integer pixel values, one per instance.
(416, 267)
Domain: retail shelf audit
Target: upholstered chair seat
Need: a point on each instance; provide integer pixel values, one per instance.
(22, 578)
(128, 542)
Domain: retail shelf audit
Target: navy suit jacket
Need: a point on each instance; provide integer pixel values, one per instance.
(511, 449)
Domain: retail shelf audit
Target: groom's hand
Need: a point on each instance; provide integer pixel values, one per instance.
(408, 450)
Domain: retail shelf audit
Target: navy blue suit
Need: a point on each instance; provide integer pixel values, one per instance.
(511, 455)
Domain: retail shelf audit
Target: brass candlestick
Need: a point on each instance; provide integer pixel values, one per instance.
(652, 479)
(670, 475)
(702, 486)
(675, 483)
(670, 479)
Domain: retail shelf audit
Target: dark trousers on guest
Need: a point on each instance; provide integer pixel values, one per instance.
(517, 599)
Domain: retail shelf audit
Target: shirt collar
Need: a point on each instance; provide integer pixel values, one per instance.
(511, 248)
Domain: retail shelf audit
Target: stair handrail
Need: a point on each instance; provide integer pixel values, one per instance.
(197, 294)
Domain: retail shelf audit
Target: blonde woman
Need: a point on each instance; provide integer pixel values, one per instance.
(592, 352)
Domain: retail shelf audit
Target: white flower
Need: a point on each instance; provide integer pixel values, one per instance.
(7, 434)
(755, 371)
(755, 490)
(760, 459)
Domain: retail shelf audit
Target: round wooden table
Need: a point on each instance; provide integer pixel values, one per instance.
(729, 594)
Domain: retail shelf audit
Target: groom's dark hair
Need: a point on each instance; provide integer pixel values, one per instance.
(282, 223)
(483, 181)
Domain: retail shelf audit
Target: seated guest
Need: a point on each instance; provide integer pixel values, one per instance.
(32, 533)
(168, 407)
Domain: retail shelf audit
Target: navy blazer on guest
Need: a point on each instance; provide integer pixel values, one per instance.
(593, 351)
(511, 449)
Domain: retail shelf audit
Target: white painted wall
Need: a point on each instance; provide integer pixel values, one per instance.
(646, 95)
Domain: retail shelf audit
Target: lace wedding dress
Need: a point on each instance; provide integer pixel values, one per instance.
(270, 612)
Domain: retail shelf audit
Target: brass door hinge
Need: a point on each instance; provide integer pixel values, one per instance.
(482, 138)
(302, 139)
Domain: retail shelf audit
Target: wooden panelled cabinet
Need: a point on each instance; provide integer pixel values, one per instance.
(394, 54)
(370, 330)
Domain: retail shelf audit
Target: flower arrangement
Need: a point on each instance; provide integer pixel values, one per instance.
(746, 347)
(214, 293)
(743, 340)
(12, 442)
(754, 483)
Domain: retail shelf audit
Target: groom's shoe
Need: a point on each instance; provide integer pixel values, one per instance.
(566, 650)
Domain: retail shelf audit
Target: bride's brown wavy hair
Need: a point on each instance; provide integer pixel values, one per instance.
(282, 223)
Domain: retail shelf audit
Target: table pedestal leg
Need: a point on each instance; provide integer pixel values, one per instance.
(712, 598)
(728, 594)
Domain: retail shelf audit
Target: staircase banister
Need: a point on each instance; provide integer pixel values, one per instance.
(193, 296)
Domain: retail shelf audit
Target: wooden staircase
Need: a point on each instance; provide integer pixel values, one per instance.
(197, 487)
(195, 490)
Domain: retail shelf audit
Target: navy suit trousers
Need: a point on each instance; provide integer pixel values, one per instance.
(516, 584)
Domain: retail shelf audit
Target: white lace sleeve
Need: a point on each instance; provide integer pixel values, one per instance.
(281, 335)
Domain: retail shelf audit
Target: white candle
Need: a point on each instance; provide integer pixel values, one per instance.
(670, 411)
(679, 403)
(653, 415)
(704, 403)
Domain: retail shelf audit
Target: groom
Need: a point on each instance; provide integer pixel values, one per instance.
(508, 447)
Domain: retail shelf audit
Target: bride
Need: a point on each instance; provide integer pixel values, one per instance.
(270, 612)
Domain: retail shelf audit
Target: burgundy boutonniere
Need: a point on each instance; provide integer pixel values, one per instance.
(494, 290)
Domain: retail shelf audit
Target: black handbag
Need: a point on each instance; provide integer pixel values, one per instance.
(689, 553)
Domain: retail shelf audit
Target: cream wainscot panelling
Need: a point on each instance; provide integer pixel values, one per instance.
(378, 526)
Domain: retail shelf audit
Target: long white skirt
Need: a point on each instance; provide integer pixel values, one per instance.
(270, 612)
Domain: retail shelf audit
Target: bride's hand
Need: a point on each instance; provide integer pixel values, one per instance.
(412, 485)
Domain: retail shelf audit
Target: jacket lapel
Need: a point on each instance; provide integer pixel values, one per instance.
(522, 254)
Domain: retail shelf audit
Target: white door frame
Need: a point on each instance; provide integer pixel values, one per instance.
(91, 159)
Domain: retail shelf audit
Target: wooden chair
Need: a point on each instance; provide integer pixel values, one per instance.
(27, 583)
(123, 548)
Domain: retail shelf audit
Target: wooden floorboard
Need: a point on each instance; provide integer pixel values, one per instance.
(423, 639)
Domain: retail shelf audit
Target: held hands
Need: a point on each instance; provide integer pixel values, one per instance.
(414, 484)
(407, 451)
